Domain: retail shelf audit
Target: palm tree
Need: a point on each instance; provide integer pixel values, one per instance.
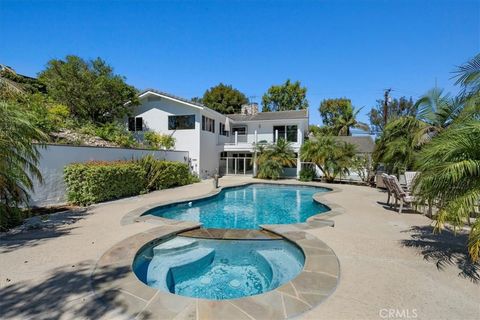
(450, 163)
(280, 152)
(349, 120)
(396, 146)
(403, 137)
(450, 177)
(437, 111)
(18, 160)
(331, 156)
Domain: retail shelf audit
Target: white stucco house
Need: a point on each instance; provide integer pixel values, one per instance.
(217, 143)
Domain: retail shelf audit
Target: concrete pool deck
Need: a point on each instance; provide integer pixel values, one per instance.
(391, 265)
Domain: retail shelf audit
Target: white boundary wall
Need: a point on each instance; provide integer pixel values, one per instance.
(55, 157)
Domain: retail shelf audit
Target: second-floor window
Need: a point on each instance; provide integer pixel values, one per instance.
(242, 131)
(221, 129)
(288, 133)
(181, 122)
(208, 124)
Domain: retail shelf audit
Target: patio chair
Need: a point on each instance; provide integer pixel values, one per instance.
(400, 195)
(410, 178)
(386, 182)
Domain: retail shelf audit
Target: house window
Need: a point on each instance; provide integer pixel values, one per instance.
(208, 124)
(135, 124)
(288, 133)
(221, 129)
(242, 131)
(181, 122)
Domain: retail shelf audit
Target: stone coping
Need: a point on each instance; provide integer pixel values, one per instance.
(315, 283)
(315, 221)
(230, 234)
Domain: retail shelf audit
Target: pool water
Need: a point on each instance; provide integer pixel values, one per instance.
(247, 207)
(218, 269)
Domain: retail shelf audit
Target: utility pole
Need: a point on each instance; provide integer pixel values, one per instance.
(385, 107)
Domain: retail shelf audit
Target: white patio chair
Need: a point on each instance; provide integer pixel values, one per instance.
(410, 178)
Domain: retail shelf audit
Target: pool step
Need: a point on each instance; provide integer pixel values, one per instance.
(164, 272)
(175, 245)
(280, 264)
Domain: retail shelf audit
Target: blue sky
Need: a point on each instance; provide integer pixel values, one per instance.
(351, 49)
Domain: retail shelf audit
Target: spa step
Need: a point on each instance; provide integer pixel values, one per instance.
(280, 264)
(175, 245)
(165, 269)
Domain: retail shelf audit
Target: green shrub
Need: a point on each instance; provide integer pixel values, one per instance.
(307, 174)
(270, 169)
(159, 141)
(93, 182)
(162, 174)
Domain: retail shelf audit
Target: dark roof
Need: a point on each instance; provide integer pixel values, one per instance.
(278, 115)
(172, 96)
(363, 144)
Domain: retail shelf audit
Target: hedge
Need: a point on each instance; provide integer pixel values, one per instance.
(165, 174)
(93, 182)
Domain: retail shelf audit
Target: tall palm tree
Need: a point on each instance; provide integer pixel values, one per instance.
(437, 111)
(450, 163)
(18, 159)
(346, 121)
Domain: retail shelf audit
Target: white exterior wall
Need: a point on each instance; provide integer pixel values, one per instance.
(209, 142)
(155, 112)
(54, 158)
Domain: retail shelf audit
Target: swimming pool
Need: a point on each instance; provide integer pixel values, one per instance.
(247, 207)
(218, 269)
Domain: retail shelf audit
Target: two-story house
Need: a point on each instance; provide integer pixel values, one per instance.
(216, 142)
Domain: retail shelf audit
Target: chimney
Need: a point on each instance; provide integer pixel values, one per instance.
(250, 109)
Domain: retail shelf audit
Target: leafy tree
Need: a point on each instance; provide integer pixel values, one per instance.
(159, 141)
(197, 100)
(401, 107)
(331, 156)
(20, 83)
(362, 165)
(224, 99)
(339, 116)
(90, 89)
(288, 96)
(18, 161)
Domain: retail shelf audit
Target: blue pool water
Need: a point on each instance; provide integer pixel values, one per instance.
(218, 269)
(248, 207)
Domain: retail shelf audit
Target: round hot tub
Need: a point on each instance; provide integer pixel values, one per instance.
(218, 269)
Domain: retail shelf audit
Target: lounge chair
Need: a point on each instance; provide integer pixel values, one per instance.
(386, 182)
(410, 178)
(400, 195)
